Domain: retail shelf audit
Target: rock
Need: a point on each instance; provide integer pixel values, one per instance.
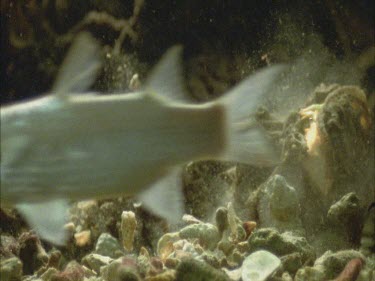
(108, 246)
(95, 261)
(280, 244)
(259, 266)
(10, 269)
(328, 266)
(207, 234)
(190, 269)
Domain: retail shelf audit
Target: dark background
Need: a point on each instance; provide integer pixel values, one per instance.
(36, 34)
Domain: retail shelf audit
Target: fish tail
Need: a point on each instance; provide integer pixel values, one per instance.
(247, 142)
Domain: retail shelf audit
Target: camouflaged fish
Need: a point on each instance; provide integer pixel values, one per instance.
(71, 145)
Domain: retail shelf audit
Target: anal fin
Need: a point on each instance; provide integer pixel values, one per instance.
(165, 198)
(47, 219)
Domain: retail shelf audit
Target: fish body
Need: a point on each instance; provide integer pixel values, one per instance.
(71, 145)
(93, 146)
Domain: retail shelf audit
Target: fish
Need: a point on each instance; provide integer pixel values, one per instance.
(72, 144)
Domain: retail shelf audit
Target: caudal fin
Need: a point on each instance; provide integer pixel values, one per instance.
(247, 142)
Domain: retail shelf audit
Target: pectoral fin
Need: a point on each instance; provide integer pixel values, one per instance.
(47, 218)
(165, 198)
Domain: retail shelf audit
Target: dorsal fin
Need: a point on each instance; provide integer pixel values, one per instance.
(80, 66)
(166, 78)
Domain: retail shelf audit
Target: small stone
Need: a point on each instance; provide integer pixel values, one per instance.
(95, 261)
(108, 246)
(83, 238)
(128, 228)
(207, 234)
(10, 269)
(259, 266)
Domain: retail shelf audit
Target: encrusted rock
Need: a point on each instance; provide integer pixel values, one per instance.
(280, 244)
(333, 263)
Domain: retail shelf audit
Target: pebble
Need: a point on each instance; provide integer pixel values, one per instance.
(108, 246)
(280, 243)
(95, 261)
(259, 266)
